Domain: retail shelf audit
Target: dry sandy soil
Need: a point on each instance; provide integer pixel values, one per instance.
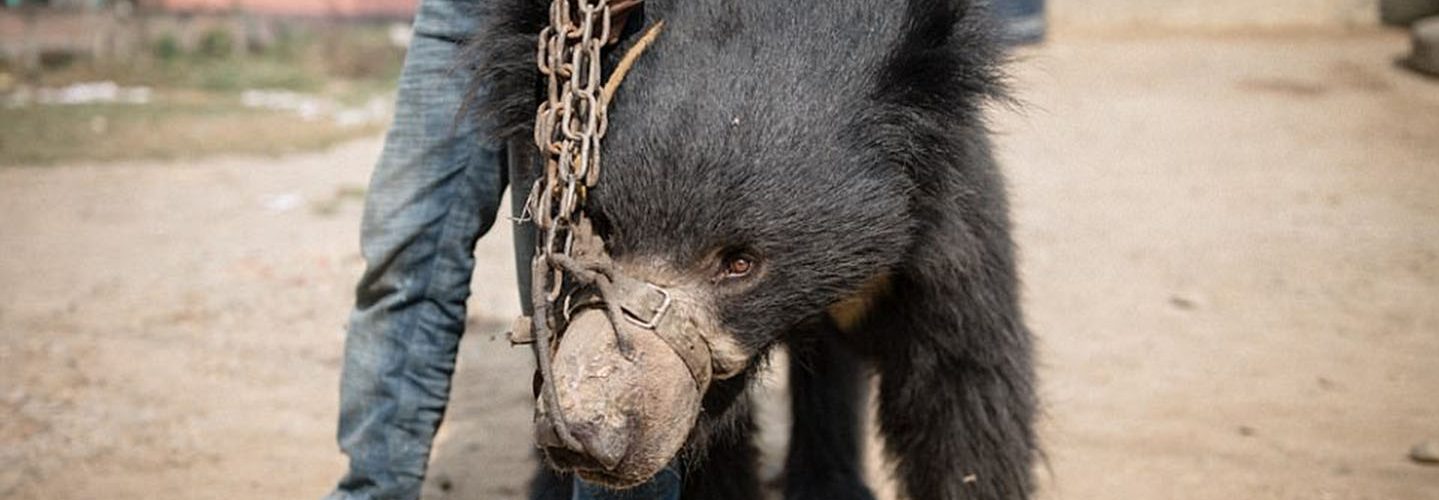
(1231, 251)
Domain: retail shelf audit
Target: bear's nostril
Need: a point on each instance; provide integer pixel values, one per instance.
(606, 448)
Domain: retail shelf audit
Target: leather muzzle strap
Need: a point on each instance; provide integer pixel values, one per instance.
(651, 310)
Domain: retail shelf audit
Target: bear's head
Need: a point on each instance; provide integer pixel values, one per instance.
(738, 191)
(764, 162)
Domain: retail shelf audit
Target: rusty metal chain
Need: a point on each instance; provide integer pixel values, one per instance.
(571, 121)
(568, 128)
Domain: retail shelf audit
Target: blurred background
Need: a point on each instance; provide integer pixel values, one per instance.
(1228, 213)
(116, 80)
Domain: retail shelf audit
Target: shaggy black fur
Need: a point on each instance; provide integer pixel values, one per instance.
(833, 141)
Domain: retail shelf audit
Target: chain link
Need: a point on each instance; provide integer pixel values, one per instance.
(570, 122)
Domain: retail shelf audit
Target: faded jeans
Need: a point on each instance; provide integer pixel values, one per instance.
(434, 192)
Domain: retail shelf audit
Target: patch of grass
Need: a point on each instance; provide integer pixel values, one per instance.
(244, 74)
(231, 74)
(305, 60)
(166, 48)
(182, 126)
(217, 43)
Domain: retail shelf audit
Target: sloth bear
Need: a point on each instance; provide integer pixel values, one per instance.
(814, 174)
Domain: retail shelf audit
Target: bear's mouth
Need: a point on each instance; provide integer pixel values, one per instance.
(619, 477)
(627, 415)
(628, 374)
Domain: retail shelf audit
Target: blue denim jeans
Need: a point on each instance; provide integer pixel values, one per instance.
(664, 486)
(434, 192)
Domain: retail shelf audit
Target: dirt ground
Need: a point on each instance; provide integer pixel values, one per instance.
(1230, 247)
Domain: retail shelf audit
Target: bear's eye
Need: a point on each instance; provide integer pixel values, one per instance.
(737, 266)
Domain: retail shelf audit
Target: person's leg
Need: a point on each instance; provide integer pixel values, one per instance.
(433, 192)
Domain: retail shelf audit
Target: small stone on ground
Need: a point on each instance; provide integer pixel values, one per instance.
(1425, 57)
(1426, 452)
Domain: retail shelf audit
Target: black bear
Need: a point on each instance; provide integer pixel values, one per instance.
(814, 174)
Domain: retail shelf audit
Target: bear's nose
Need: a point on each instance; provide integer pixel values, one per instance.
(600, 449)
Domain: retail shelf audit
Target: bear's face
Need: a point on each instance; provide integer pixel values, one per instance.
(767, 238)
(741, 254)
(754, 217)
(756, 184)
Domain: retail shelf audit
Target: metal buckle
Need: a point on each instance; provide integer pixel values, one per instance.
(659, 314)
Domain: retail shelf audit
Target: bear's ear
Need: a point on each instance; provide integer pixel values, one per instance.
(930, 91)
(500, 59)
(950, 53)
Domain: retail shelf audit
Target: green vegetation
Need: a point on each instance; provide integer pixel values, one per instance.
(195, 105)
(167, 48)
(300, 60)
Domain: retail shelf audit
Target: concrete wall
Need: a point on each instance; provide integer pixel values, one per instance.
(1211, 14)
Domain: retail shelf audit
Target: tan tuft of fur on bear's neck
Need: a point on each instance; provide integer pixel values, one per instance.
(851, 311)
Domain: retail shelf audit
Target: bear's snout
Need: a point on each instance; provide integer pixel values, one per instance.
(629, 416)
